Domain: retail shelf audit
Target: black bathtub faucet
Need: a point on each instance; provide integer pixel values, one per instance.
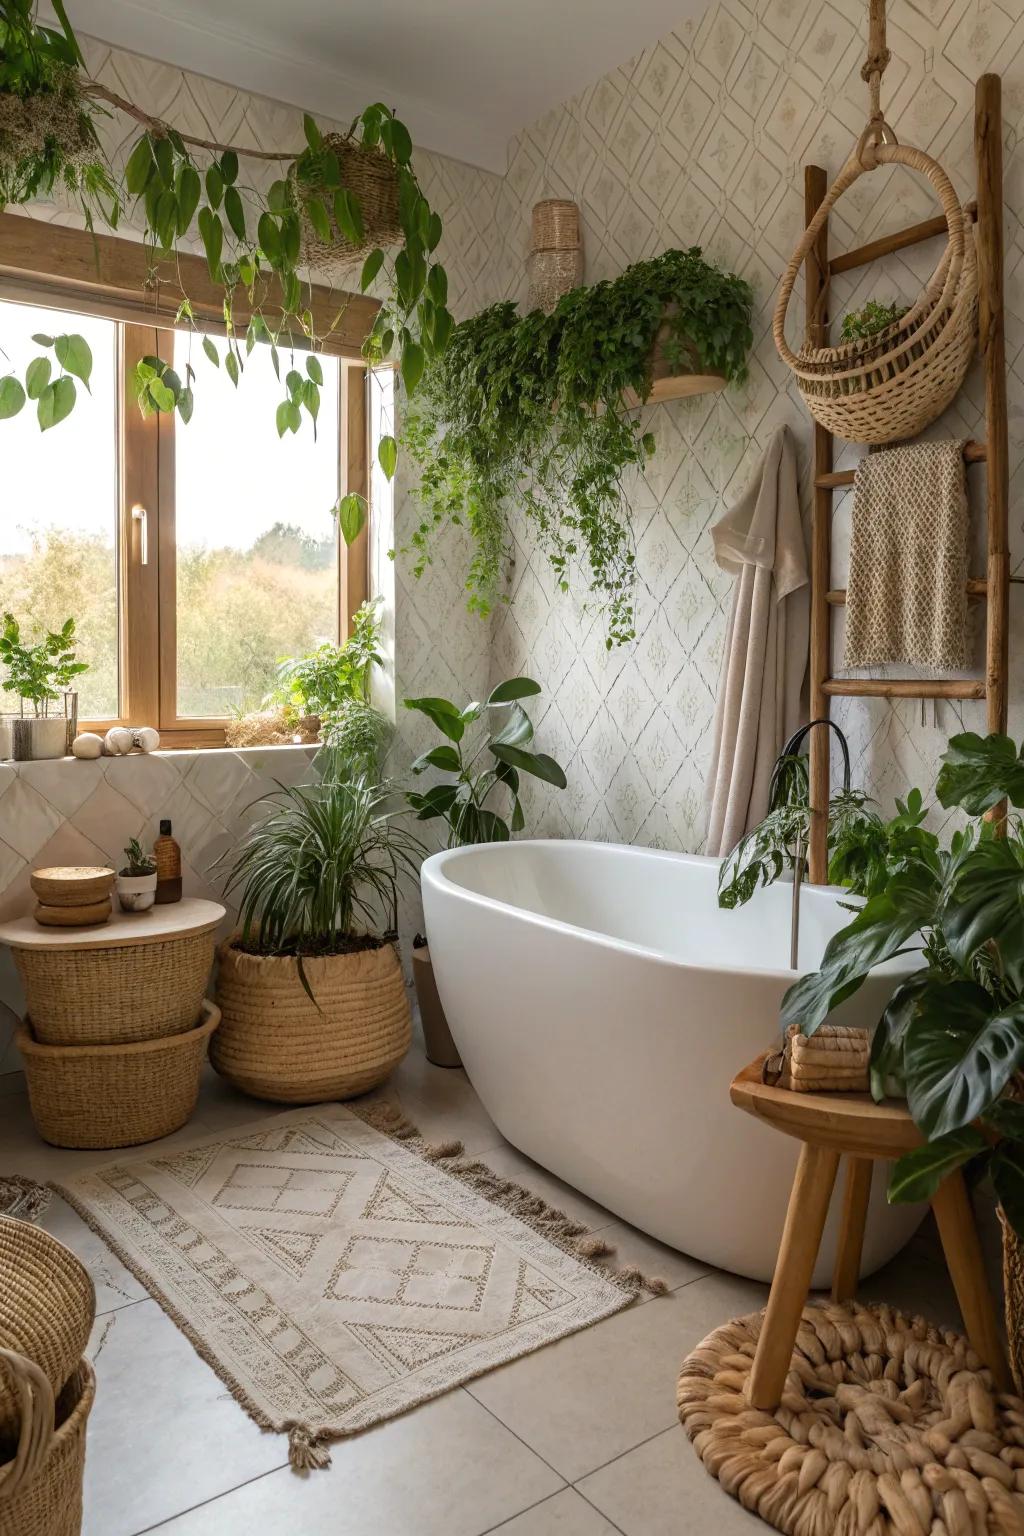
(774, 790)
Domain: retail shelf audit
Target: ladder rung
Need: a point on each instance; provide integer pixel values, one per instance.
(974, 453)
(977, 587)
(886, 244)
(904, 688)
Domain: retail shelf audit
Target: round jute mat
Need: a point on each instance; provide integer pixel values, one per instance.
(887, 1427)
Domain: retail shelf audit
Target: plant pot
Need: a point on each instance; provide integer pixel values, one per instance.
(1013, 1291)
(136, 893)
(277, 1044)
(373, 180)
(34, 738)
(437, 1037)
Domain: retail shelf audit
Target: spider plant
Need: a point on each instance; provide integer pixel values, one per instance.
(319, 874)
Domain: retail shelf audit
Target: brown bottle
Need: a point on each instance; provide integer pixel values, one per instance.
(168, 865)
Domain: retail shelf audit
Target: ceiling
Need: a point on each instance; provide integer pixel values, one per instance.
(465, 75)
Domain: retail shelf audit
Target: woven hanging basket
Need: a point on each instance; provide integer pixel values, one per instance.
(555, 262)
(41, 1486)
(891, 386)
(114, 1095)
(116, 994)
(555, 225)
(31, 125)
(373, 179)
(276, 1044)
(47, 1306)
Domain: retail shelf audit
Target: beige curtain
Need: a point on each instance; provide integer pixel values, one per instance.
(761, 542)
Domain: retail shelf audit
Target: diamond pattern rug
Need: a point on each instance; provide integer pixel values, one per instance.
(335, 1274)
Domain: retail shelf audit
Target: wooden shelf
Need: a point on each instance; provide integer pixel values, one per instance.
(676, 386)
(904, 688)
(974, 453)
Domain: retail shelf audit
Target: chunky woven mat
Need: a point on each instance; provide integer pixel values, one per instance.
(887, 1427)
(335, 1272)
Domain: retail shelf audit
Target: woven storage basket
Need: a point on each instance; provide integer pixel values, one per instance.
(373, 179)
(555, 225)
(891, 386)
(276, 1044)
(72, 886)
(117, 993)
(41, 1488)
(114, 1095)
(47, 1306)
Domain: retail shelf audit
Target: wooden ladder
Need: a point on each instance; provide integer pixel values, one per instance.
(994, 586)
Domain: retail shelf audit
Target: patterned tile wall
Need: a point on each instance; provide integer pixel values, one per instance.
(701, 140)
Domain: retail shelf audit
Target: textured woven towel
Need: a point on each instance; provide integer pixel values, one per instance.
(906, 595)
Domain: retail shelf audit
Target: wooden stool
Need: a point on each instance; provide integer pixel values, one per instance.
(830, 1126)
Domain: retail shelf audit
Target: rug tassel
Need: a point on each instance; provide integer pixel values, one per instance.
(593, 1248)
(435, 1151)
(306, 1452)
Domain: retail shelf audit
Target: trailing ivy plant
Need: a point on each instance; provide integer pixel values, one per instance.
(253, 244)
(527, 413)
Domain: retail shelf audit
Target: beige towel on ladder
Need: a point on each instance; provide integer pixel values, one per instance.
(906, 597)
(760, 692)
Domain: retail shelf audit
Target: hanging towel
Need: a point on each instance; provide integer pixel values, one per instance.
(906, 598)
(760, 693)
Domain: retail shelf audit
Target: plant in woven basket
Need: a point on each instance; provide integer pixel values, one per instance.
(462, 800)
(137, 861)
(871, 318)
(38, 674)
(527, 414)
(953, 1033)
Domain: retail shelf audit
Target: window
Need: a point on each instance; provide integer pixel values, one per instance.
(193, 558)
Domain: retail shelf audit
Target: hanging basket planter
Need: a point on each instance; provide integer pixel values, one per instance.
(890, 386)
(46, 121)
(372, 179)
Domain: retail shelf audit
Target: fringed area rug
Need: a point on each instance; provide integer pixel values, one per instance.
(335, 1270)
(887, 1427)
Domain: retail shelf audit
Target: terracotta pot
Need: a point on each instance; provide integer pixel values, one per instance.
(437, 1037)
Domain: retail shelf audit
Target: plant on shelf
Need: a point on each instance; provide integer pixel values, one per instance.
(353, 196)
(136, 881)
(478, 769)
(860, 324)
(137, 861)
(39, 674)
(529, 414)
(311, 989)
(953, 1033)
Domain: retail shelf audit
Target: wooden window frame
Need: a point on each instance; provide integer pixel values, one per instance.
(72, 270)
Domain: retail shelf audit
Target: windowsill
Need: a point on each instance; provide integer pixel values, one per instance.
(174, 756)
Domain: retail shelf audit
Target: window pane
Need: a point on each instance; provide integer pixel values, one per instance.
(257, 571)
(58, 531)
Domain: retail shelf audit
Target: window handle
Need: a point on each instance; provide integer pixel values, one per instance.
(140, 517)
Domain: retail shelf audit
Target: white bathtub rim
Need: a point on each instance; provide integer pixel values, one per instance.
(432, 872)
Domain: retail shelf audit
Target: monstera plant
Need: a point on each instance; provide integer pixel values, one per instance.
(953, 1033)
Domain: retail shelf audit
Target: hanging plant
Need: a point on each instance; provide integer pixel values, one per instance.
(353, 195)
(530, 413)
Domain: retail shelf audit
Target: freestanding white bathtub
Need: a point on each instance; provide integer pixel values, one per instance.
(602, 1002)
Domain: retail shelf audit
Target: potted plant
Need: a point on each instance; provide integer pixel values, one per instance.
(136, 882)
(477, 774)
(952, 1037)
(40, 676)
(310, 988)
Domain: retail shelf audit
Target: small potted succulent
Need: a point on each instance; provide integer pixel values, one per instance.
(475, 771)
(136, 882)
(40, 676)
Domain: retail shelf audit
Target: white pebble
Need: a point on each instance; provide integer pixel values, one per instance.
(87, 745)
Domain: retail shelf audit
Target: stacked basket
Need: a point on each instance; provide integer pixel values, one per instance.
(47, 1305)
(115, 1035)
(556, 252)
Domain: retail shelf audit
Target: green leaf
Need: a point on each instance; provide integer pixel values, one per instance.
(517, 730)
(518, 819)
(279, 197)
(514, 688)
(12, 397)
(140, 163)
(918, 1174)
(186, 404)
(351, 515)
(401, 142)
(314, 138)
(412, 365)
(986, 904)
(229, 166)
(37, 377)
(211, 232)
(163, 154)
(231, 366)
(235, 212)
(314, 369)
(214, 185)
(536, 763)
(311, 398)
(317, 215)
(75, 356)
(371, 266)
(443, 713)
(387, 456)
(162, 396)
(978, 771)
(269, 237)
(211, 351)
(43, 341)
(434, 231)
(444, 757)
(648, 443)
(437, 285)
(293, 383)
(189, 190)
(960, 1051)
(289, 417)
(56, 402)
(348, 215)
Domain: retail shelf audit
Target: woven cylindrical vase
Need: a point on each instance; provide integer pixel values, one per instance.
(555, 262)
(41, 1488)
(118, 993)
(277, 1044)
(47, 1306)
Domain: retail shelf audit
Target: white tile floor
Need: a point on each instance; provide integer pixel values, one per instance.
(578, 1439)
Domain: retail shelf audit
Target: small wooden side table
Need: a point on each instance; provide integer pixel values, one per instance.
(852, 1125)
